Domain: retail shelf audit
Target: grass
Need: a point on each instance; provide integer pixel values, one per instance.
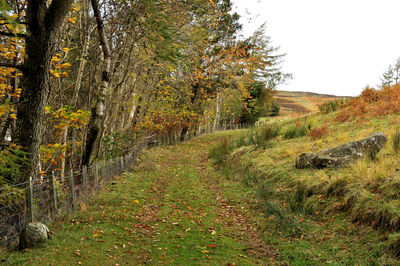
(246, 205)
(295, 131)
(396, 142)
(363, 197)
(173, 208)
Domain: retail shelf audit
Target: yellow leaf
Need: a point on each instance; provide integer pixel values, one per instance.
(136, 201)
(72, 20)
(204, 251)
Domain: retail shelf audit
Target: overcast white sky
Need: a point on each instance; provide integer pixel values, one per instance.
(333, 46)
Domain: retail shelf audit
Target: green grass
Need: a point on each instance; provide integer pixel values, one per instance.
(296, 131)
(363, 198)
(171, 209)
(396, 142)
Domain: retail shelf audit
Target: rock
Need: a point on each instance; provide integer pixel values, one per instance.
(344, 154)
(33, 234)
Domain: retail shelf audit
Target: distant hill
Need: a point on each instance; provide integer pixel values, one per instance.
(295, 103)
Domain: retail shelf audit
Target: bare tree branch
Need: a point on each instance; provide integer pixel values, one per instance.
(11, 65)
(10, 34)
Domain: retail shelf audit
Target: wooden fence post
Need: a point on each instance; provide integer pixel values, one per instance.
(29, 201)
(110, 169)
(122, 164)
(85, 180)
(96, 176)
(104, 172)
(115, 167)
(72, 186)
(119, 168)
(53, 193)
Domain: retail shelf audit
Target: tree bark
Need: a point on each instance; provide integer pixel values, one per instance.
(43, 23)
(217, 112)
(95, 127)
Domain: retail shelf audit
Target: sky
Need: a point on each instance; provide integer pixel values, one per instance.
(333, 46)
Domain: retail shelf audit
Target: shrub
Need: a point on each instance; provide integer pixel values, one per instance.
(331, 106)
(317, 133)
(372, 103)
(11, 159)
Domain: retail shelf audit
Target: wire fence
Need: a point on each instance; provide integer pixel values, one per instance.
(173, 138)
(49, 195)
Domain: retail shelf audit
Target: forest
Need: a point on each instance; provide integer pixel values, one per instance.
(83, 80)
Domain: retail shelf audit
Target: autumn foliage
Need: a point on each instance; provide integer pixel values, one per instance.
(318, 132)
(372, 103)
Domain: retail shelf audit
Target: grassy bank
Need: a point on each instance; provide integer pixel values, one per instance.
(349, 215)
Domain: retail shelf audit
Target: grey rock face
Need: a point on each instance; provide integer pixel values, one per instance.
(33, 234)
(344, 154)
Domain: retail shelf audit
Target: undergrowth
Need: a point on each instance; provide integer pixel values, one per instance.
(372, 103)
(260, 138)
(331, 106)
(367, 193)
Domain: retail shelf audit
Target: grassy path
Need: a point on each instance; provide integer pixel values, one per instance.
(173, 208)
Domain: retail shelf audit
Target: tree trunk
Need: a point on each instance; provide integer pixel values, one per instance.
(43, 22)
(192, 102)
(217, 112)
(95, 127)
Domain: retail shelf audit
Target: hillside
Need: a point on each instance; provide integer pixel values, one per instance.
(349, 215)
(295, 104)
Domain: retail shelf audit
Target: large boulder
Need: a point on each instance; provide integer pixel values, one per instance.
(344, 154)
(33, 234)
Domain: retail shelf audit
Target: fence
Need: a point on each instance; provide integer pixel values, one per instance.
(176, 137)
(43, 199)
(46, 197)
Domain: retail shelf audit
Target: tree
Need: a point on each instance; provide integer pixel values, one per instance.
(396, 72)
(387, 79)
(98, 109)
(159, 69)
(265, 75)
(43, 21)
